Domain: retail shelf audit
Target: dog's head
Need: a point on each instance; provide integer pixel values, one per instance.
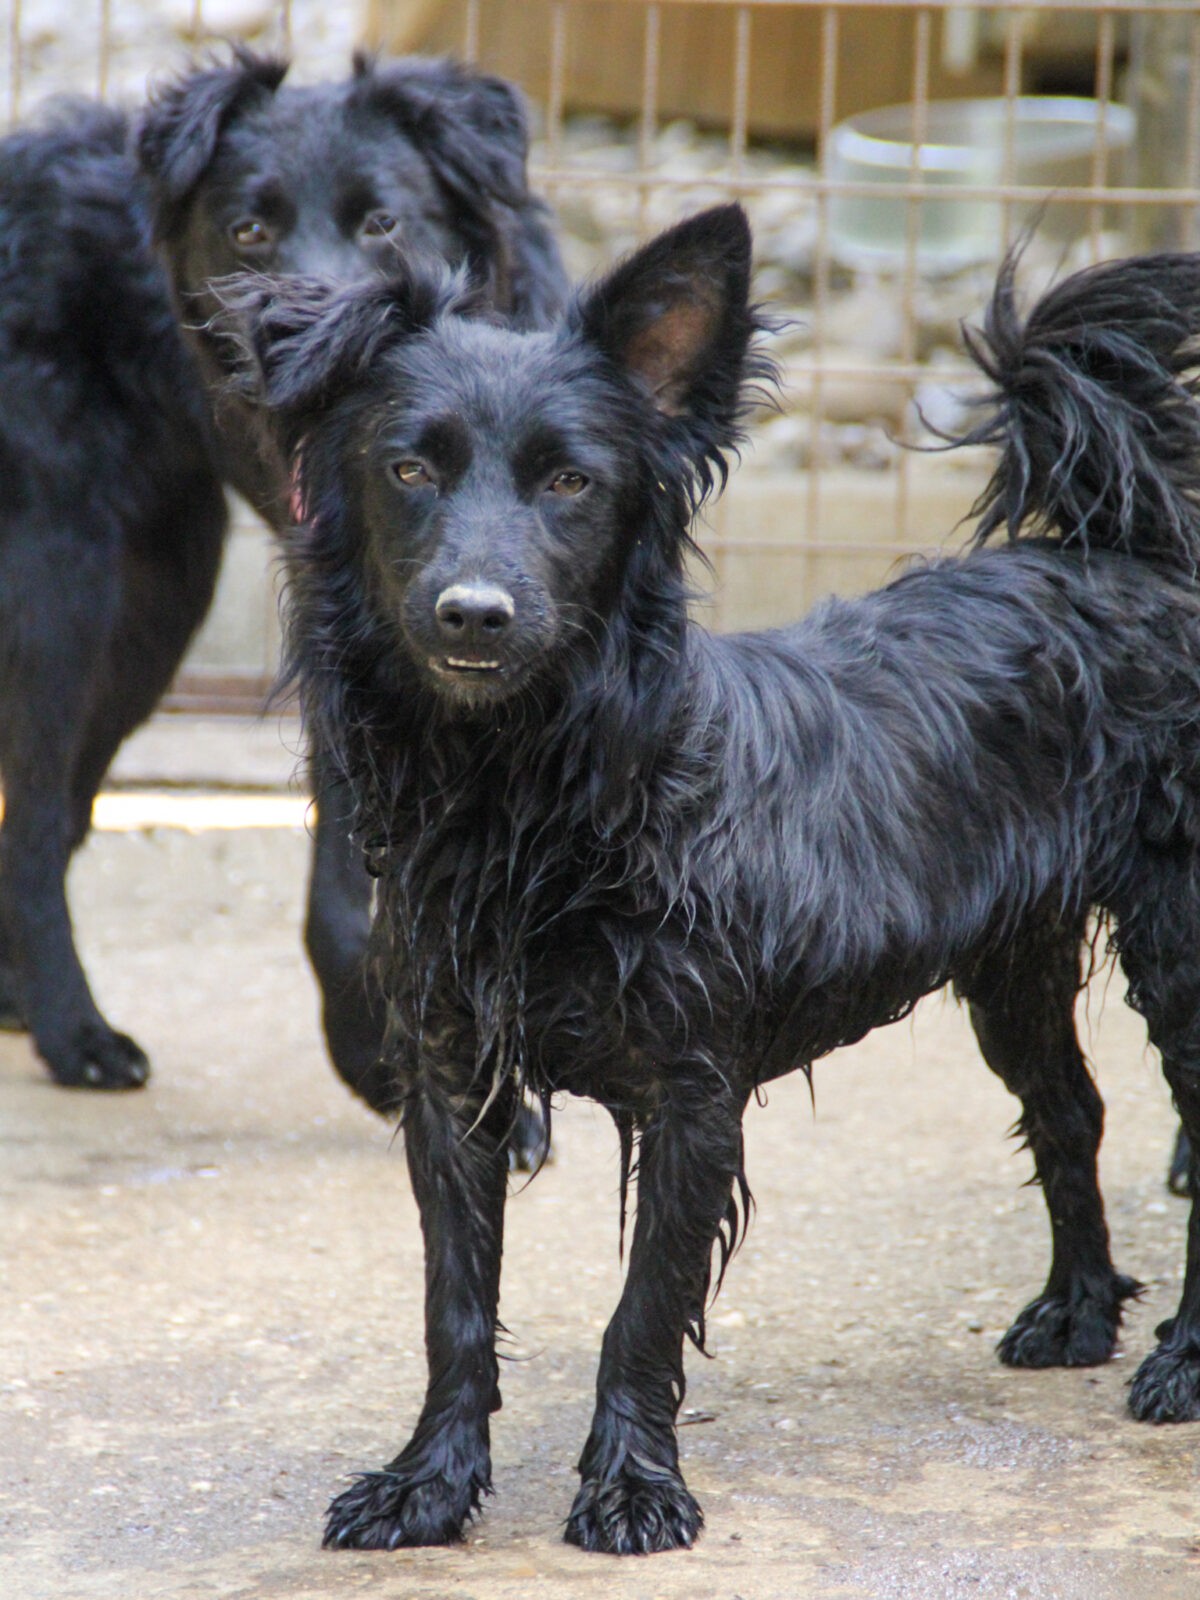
(414, 159)
(494, 505)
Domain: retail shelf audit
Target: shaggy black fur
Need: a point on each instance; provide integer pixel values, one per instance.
(111, 526)
(111, 541)
(623, 858)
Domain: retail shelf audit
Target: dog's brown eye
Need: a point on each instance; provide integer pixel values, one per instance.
(411, 474)
(250, 232)
(568, 483)
(379, 224)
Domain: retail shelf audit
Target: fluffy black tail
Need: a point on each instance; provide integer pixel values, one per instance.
(1095, 411)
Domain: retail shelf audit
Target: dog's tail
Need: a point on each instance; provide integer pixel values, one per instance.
(1095, 409)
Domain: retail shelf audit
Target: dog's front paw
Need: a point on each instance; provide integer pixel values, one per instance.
(97, 1057)
(385, 1510)
(1166, 1387)
(634, 1513)
(1070, 1330)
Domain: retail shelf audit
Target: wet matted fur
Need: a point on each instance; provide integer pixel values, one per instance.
(623, 858)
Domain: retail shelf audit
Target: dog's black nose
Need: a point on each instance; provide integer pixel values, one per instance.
(474, 613)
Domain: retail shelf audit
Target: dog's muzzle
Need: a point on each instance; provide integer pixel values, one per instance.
(473, 621)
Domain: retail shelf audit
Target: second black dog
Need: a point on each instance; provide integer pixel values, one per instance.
(113, 518)
(112, 521)
(410, 160)
(625, 859)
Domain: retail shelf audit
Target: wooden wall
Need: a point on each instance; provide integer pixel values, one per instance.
(605, 45)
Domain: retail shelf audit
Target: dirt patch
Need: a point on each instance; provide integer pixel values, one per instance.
(212, 1308)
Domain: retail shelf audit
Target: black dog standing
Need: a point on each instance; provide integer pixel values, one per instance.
(622, 858)
(112, 453)
(112, 522)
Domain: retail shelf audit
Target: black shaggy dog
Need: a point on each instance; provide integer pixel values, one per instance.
(112, 521)
(111, 516)
(622, 858)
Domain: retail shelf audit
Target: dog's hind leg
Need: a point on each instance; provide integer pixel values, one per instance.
(1022, 1006)
(70, 1034)
(459, 1170)
(60, 609)
(632, 1498)
(96, 621)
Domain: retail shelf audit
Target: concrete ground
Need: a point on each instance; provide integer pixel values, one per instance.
(211, 1295)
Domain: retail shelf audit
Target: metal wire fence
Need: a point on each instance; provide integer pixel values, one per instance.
(875, 236)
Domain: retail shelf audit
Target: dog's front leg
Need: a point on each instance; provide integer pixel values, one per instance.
(632, 1499)
(458, 1168)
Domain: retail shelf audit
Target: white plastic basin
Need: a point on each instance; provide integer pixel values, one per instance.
(1054, 140)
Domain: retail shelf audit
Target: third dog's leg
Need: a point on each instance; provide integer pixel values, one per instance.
(632, 1499)
(1022, 1006)
(459, 1172)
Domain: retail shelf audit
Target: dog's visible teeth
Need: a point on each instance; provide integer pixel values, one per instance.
(472, 666)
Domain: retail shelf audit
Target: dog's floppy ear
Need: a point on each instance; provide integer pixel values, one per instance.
(676, 317)
(181, 127)
(470, 127)
(295, 340)
(299, 342)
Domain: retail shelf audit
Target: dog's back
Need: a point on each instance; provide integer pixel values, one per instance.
(101, 398)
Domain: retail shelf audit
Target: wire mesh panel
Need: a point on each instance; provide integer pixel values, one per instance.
(888, 154)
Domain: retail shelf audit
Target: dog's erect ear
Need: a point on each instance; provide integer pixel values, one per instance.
(471, 128)
(180, 129)
(676, 317)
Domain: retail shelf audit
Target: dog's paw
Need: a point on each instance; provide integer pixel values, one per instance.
(387, 1510)
(1166, 1387)
(634, 1514)
(98, 1058)
(1071, 1330)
